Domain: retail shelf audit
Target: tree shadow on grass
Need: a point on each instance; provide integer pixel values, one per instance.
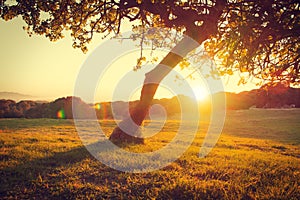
(26, 179)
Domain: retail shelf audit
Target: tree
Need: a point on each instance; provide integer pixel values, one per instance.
(260, 37)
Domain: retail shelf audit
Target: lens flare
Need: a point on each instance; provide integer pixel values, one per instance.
(61, 114)
(98, 106)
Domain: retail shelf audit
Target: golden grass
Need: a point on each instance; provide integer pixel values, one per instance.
(45, 159)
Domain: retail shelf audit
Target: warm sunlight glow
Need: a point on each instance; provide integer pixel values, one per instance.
(162, 92)
(200, 92)
(65, 63)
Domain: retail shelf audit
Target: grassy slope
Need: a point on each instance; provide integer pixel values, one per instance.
(257, 157)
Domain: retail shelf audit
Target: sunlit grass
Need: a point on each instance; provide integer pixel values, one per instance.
(256, 157)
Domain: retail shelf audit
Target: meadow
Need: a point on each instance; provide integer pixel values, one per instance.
(257, 157)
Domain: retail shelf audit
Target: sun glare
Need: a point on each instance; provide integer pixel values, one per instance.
(200, 92)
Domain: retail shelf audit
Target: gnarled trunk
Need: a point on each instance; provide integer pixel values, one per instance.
(129, 129)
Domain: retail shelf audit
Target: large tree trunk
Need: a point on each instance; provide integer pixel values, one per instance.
(129, 129)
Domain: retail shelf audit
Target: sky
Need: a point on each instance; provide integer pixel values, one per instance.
(49, 70)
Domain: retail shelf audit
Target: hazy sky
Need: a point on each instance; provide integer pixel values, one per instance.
(48, 70)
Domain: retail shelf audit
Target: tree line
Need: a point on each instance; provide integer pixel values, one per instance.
(278, 96)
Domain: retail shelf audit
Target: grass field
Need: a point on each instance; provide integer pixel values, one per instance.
(256, 157)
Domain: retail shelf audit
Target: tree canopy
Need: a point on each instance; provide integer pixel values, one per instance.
(260, 37)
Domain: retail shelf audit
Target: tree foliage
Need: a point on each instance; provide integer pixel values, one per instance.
(260, 37)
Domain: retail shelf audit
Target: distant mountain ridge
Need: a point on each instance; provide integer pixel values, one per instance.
(15, 96)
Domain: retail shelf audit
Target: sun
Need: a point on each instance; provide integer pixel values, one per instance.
(200, 92)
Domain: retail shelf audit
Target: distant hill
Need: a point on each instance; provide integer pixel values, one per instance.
(268, 96)
(15, 96)
(276, 96)
(62, 108)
